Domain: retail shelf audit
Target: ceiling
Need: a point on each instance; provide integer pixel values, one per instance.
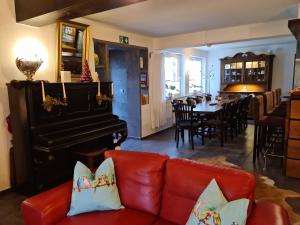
(159, 18)
(248, 44)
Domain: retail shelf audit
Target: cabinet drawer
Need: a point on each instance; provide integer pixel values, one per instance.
(293, 168)
(295, 109)
(293, 149)
(294, 129)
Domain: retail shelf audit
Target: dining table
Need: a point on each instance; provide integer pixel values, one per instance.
(208, 107)
(211, 107)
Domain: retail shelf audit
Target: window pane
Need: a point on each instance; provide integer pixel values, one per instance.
(194, 78)
(172, 76)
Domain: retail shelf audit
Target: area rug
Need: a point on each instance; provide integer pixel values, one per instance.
(265, 188)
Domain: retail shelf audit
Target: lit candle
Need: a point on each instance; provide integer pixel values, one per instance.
(43, 91)
(98, 86)
(64, 90)
(112, 89)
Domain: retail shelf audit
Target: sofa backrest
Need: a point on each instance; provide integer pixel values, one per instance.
(185, 180)
(140, 178)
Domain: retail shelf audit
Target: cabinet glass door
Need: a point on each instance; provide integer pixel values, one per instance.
(255, 71)
(233, 72)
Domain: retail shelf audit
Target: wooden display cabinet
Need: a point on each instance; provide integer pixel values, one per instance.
(246, 73)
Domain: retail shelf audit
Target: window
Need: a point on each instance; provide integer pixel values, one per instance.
(172, 76)
(194, 76)
(183, 75)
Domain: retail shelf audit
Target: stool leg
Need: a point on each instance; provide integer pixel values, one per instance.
(254, 144)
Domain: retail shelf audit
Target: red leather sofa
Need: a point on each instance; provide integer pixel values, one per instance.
(155, 190)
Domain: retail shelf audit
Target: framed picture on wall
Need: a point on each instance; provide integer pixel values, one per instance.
(143, 80)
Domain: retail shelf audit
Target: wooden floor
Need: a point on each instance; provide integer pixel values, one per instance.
(237, 151)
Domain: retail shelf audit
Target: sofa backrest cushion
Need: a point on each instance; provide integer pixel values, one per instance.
(140, 178)
(185, 180)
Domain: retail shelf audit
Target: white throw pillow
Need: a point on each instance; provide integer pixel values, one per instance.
(212, 208)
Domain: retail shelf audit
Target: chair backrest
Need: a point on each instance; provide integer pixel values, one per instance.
(191, 100)
(183, 112)
(228, 109)
(259, 106)
(275, 99)
(278, 95)
(208, 97)
(246, 103)
(269, 102)
(199, 99)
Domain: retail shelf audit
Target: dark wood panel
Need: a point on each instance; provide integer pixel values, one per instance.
(293, 168)
(295, 109)
(294, 149)
(294, 129)
(38, 13)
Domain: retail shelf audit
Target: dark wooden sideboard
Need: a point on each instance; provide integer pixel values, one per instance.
(246, 73)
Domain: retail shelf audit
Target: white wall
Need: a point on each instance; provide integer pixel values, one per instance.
(282, 69)
(11, 33)
(223, 35)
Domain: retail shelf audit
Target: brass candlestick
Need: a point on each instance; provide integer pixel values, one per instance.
(102, 97)
(50, 102)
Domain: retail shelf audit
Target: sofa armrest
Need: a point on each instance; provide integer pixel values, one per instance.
(268, 213)
(49, 207)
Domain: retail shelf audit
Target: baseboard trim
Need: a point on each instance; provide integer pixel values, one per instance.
(167, 128)
(5, 191)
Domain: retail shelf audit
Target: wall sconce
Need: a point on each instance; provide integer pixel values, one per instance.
(28, 67)
(29, 54)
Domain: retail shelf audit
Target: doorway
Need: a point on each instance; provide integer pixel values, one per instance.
(124, 73)
(126, 66)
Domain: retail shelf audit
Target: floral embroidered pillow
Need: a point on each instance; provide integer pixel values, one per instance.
(212, 208)
(94, 192)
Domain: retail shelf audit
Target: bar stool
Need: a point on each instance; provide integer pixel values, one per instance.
(278, 95)
(267, 131)
(268, 102)
(271, 105)
(275, 99)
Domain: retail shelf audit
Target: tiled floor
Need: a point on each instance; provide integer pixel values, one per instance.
(237, 151)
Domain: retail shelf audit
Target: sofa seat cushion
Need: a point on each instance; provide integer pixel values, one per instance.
(124, 216)
(268, 213)
(163, 222)
(185, 180)
(140, 179)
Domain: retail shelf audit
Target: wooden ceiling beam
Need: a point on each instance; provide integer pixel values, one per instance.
(43, 12)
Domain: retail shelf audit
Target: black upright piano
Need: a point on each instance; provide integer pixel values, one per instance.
(45, 136)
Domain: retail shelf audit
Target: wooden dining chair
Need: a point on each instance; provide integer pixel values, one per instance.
(185, 120)
(218, 125)
(267, 131)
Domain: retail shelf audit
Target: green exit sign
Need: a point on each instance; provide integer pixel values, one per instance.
(124, 39)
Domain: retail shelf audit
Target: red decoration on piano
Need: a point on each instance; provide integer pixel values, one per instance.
(86, 75)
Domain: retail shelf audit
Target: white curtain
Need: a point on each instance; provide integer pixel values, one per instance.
(158, 104)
